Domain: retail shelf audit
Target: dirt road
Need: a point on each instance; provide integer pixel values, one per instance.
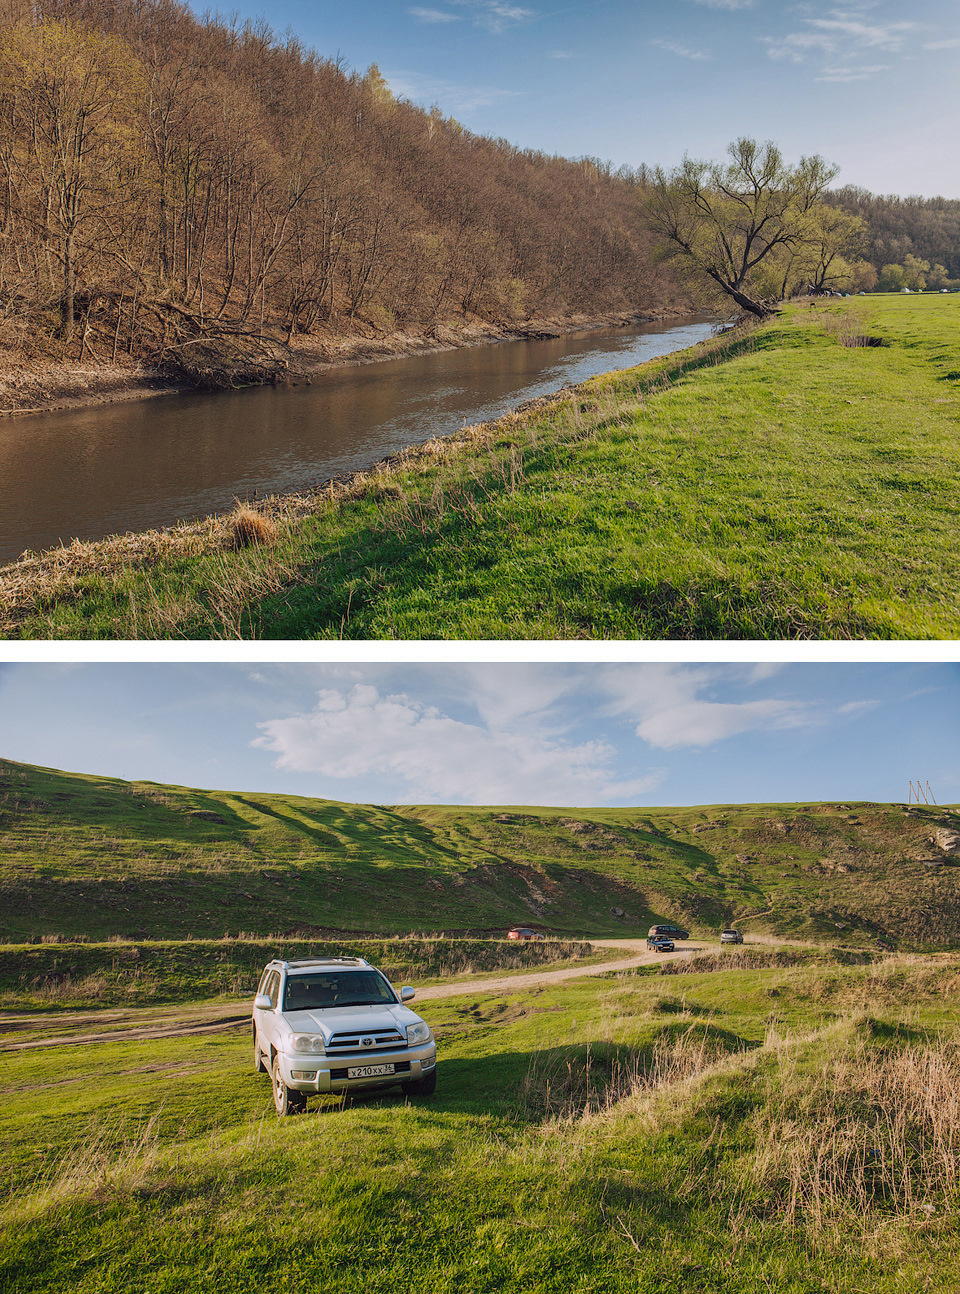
(86, 1027)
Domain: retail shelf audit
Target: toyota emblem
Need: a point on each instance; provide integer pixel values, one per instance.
(366, 1042)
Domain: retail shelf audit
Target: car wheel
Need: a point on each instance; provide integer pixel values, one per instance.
(425, 1086)
(286, 1099)
(258, 1066)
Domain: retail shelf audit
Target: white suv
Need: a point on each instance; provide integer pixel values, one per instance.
(337, 1025)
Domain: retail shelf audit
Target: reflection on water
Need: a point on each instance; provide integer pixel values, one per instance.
(131, 466)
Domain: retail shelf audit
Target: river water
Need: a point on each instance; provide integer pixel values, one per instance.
(108, 469)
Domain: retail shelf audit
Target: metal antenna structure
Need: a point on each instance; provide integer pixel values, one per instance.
(921, 791)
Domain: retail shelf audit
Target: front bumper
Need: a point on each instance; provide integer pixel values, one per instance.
(329, 1073)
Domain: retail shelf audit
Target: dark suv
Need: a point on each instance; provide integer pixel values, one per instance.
(665, 932)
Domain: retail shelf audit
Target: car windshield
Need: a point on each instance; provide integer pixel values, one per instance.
(336, 988)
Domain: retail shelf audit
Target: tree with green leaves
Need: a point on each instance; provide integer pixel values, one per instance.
(726, 223)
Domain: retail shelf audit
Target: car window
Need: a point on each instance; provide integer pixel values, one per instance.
(272, 986)
(336, 988)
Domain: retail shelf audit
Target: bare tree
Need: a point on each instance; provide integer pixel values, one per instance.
(76, 92)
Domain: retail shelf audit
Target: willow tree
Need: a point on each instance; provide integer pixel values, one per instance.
(726, 223)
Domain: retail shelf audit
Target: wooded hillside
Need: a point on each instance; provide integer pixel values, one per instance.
(928, 228)
(163, 175)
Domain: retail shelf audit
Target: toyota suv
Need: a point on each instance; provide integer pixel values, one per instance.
(337, 1025)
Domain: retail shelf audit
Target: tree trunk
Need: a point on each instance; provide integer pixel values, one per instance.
(746, 303)
(66, 307)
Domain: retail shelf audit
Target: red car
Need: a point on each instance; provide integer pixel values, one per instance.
(521, 932)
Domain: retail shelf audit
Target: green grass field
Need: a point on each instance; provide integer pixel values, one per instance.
(777, 485)
(791, 1128)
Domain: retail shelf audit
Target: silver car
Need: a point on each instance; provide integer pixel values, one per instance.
(338, 1025)
(731, 937)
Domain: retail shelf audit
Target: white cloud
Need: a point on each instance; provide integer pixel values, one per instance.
(537, 733)
(497, 17)
(858, 707)
(841, 35)
(726, 4)
(843, 74)
(453, 98)
(489, 15)
(672, 705)
(797, 45)
(682, 51)
(438, 758)
(702, 723)
(434, 15)
(953, 43)
(889, 36)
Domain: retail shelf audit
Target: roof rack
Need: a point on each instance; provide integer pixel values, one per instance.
(321, 961)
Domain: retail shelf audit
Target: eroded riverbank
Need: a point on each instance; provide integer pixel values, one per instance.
(53, 387)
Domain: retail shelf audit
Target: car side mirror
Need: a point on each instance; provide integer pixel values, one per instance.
(262, 1003)
(406, 993)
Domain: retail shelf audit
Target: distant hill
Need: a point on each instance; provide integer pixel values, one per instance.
(96, 857)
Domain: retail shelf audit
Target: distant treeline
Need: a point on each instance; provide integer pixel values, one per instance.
(157, 170)
(928, 228)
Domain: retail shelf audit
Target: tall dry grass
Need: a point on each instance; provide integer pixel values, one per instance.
(106, 1159)
(568, 1084)
(875, 1133)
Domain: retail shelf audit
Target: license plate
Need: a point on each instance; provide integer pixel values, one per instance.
(369, 1071)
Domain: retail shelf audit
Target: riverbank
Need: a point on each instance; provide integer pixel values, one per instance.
(778, 483)
(46, 385)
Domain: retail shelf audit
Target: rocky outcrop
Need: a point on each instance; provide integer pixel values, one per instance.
(947, 840)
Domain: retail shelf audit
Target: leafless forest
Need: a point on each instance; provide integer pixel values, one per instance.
(165, 177)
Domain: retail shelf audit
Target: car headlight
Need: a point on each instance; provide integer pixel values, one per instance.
(309, 1042)
(417, 1033)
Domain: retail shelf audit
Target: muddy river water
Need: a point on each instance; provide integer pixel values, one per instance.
(130, 466)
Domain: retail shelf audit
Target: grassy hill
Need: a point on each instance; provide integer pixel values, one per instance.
(93, 857)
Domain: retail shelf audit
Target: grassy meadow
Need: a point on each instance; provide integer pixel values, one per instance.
(788, 1127)
(778, 484)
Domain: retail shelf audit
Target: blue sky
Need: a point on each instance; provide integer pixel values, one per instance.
(550, 734)
(872, 85)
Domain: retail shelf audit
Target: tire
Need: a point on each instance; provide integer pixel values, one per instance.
(425, 1086)
(258, 1066)
(286, 1099)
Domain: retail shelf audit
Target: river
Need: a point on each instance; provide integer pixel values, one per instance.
(135, 465)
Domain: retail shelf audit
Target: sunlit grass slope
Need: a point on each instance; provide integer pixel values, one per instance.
(782, 484)
(95, 857)
(791, 1129)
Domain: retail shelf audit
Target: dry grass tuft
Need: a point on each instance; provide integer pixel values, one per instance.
(752, 958)
(247, 527)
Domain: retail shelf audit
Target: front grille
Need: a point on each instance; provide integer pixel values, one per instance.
(391, 1038)
(401, 1067)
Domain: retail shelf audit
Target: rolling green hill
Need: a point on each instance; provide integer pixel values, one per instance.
(94, 857)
